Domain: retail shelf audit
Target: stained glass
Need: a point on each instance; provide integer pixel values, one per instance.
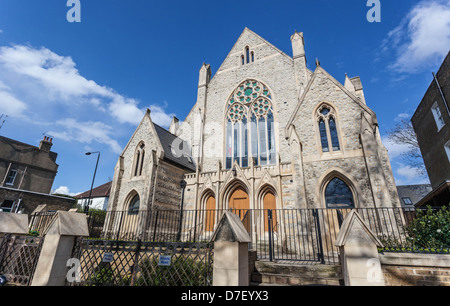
(338, 195)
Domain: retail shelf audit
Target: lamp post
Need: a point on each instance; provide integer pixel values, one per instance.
(86, 206)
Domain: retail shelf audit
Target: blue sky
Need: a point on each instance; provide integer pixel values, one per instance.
(88, 84)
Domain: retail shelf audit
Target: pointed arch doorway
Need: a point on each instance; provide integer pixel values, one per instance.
(269, 203)
(239, 203)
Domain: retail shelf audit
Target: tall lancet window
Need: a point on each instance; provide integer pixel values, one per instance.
(328, 131)
(237, 136)
(139, 160)
(250, 126)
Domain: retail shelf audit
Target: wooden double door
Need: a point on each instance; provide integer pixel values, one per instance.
(239, 203)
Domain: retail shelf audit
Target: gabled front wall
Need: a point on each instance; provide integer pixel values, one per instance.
(365, 168)
(349, 160)
(272, 68)
(125, 183)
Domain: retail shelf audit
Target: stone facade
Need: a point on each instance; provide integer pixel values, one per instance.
(158, 182)
(300, 168)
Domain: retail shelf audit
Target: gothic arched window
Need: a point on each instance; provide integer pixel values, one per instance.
(250, 131)
(329, 137)
(135, 203)
(248, 56)
(338, 194)
(139, 160)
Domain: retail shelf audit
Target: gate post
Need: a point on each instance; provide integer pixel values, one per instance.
(358, 253)
(231, 241)
(11, 224)
(60, 236)
(15, 224)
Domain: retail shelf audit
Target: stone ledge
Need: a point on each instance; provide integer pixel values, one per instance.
(414, 259)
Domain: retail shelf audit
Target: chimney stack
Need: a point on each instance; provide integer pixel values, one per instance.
(46, 144)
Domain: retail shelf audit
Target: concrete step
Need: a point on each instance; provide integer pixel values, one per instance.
(286, 274)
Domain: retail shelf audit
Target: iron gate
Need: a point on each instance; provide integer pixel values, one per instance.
(18, 258)
(281, 237)
(138, 263)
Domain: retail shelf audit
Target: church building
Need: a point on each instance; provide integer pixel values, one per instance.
(265, 132)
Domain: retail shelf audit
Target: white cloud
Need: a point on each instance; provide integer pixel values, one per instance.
(64, 190)
(160, 117)
(42, 87)
(402, 116)
(407, 175)
(10, 105)
(55, 73)
(86, 133)
(422, 38)
(126, 111)
(58, 78)
(394, 149)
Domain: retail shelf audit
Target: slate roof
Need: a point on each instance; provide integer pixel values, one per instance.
(98, 192)
(167, 139)
(414, 192)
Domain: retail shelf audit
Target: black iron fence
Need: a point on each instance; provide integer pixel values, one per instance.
(306, 235)
(139, 263)
(18, 258)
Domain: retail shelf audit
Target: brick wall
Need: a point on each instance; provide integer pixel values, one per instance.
(404, 269)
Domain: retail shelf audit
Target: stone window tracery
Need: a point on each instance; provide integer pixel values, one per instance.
(328, 131)
(250, 126)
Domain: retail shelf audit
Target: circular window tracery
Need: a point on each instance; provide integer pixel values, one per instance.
(248, 91)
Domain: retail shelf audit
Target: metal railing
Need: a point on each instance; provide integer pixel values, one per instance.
(281, 234)
(306, 235)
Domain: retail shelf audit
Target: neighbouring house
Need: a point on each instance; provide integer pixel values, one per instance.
(410, 195)
(431, 122)
(27, 173)
(98, 198)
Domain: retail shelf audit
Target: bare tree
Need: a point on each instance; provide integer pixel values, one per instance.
(403, 133)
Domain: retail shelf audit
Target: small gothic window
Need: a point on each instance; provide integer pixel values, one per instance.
(139, 160)
(133, 208)
(338, 194)
(323, 136)
(248, 56)
(329, 137)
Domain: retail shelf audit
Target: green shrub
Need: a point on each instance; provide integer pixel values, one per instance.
(183, 271)
(430, 230)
